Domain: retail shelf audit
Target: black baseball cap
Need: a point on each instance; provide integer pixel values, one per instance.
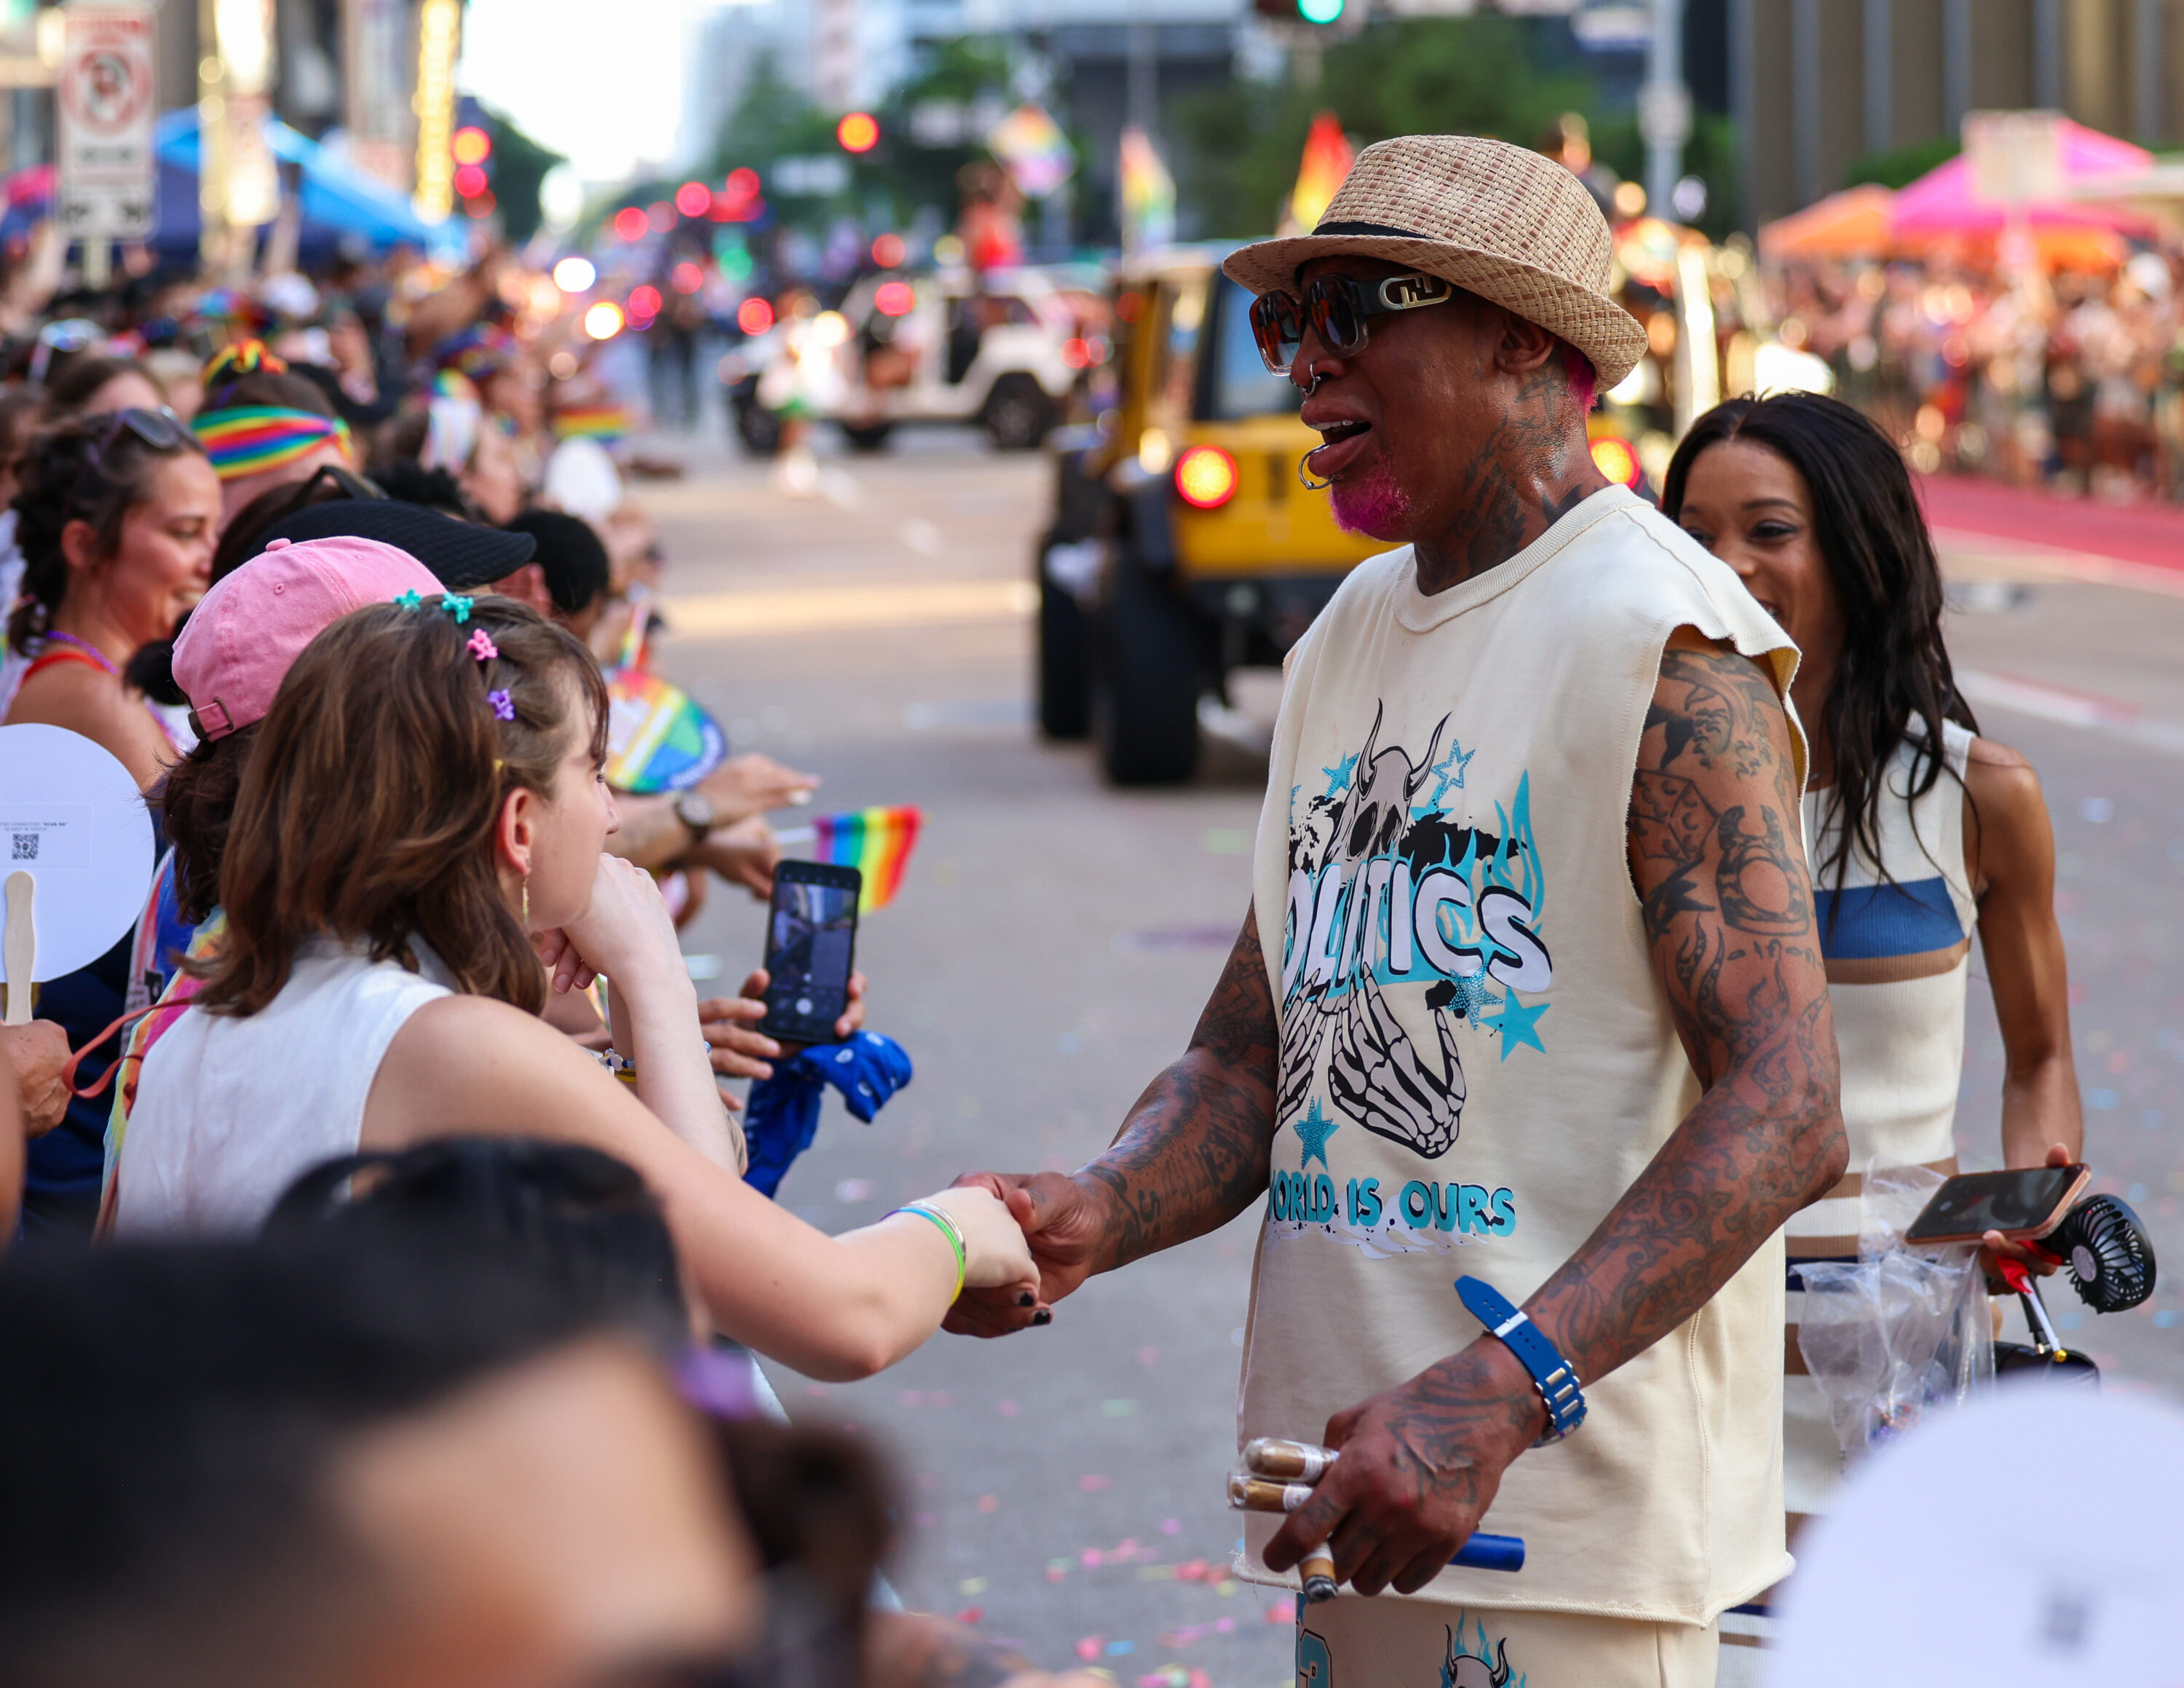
(461, 555)
(571, 556)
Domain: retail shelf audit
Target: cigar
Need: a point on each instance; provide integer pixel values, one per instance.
(1317, 1569)
(1292, 1461)
(1249, 1493)
(1482, 1552)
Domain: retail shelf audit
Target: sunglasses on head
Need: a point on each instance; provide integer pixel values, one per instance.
(1336, 308)
(160, 429)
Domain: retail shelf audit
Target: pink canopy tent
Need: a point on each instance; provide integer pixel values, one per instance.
(1940, 204)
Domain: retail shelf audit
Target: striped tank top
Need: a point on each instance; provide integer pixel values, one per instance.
(1898, 945)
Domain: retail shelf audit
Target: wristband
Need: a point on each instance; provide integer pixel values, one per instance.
(941, 1218)
(1555, 1378)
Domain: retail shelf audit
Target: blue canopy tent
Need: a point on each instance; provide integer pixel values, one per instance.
(339, 201)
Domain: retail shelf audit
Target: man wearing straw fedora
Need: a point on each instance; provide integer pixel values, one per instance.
(1528, 1012)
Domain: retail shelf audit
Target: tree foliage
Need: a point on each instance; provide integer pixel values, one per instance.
(1483, 74)
(519, 165)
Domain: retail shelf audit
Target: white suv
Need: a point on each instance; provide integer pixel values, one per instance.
(1002, 350)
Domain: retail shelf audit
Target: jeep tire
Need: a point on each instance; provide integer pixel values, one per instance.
(1065, 662)
(1018, 415)
(1145, 683)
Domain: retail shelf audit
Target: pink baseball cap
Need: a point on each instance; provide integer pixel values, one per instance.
(245, 632)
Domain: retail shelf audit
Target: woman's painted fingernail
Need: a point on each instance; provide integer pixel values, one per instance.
(1027, 1299)
(1044, 1315)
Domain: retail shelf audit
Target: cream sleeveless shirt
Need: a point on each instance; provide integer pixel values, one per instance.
(1476, 1060)
(1899, 948)
(230, 1110)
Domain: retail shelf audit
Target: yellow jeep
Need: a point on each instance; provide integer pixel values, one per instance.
(1184, 544)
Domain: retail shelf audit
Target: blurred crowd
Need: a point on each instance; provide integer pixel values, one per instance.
(418, 1347)
(2073, 380)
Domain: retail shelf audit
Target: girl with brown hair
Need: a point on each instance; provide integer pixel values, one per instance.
(424, 805)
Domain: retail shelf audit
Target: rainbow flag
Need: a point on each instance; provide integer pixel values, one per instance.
(1324, 168)
(877, 843)
(605, 423)
(658, 739)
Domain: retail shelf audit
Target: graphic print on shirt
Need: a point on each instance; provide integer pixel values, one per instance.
(1394, 884)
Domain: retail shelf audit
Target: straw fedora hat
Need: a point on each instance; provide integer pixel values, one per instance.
(1511, 225)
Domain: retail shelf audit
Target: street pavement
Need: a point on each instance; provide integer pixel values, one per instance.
(1054, 940)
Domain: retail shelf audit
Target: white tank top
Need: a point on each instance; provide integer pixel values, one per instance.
(230, 1111)
(1897, 944)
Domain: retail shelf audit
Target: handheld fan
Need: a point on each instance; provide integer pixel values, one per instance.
(2104, 1246)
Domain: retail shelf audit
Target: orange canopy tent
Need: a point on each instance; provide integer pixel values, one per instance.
(1852, 224)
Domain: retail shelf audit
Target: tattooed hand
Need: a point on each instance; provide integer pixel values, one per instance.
(1191, 1156)
(1420, 1465)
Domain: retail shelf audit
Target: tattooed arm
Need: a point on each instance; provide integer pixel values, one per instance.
(1727, 906)
(1191, 1156)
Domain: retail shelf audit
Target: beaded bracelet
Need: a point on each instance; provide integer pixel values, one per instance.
(941, 1218)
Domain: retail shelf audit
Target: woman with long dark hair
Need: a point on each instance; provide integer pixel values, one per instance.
(1919, 830)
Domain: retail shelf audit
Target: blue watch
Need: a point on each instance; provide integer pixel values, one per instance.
(1555, 1376)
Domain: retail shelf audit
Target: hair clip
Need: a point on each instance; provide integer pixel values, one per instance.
(481, 646)
(410, 600)
(504, 706)
(457, 605)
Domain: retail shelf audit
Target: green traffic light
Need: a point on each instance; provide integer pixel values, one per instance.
(1319, 11)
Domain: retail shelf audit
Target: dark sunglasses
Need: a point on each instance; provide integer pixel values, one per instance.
(160, 429)
(1336, 309)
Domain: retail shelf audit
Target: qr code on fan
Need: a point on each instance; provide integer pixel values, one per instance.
(25, 846)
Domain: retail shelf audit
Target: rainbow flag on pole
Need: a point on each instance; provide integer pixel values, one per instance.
(1324, 168)
(877, 843)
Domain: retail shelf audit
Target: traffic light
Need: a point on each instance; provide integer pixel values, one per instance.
(1319, 13)
(473, 148)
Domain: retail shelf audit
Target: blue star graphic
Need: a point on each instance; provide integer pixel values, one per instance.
(1312, 1130)
(1472, 995)
(1517, 1024)
(1459, 758)
(1339, 777)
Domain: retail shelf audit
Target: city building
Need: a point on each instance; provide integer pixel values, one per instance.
(1819, 86)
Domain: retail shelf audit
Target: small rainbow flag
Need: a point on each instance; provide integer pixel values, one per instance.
(658, 739)
(605, 423)
(877, 843)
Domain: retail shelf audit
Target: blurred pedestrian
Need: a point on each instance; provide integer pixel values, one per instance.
(117, 518)
(99, 386)
(264, 426)
(413, 1466)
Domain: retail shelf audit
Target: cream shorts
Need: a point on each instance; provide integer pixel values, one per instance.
(1354, 1642)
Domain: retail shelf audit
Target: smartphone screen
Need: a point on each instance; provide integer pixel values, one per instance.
(811, 937)
(1974, 1202)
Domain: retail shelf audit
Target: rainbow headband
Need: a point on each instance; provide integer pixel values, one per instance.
(252, 438)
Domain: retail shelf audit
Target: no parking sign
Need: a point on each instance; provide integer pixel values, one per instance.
(104, 97)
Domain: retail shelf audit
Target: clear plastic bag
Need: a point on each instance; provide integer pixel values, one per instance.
(1904, 1330)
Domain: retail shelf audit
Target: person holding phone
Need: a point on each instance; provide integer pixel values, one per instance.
(1920, 832)
(420, 824)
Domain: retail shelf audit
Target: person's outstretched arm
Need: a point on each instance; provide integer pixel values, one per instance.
(1191, 1156)
(1720, 875)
